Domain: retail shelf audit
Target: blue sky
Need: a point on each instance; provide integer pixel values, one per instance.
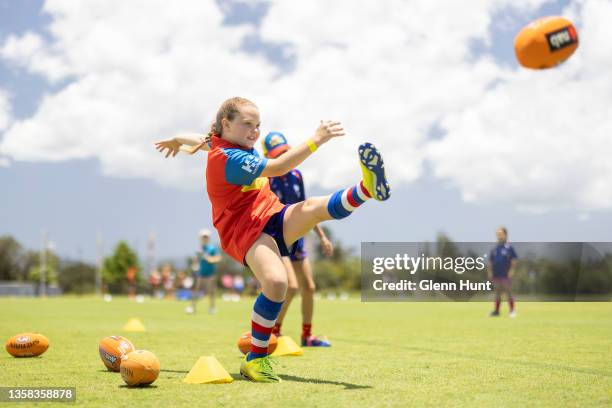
(76, 199)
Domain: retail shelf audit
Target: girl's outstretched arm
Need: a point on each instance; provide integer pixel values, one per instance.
(190, 139)
(196, 140)
(295, 156)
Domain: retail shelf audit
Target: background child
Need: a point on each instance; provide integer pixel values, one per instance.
(502, 261)
(209, 256)
(290, 190)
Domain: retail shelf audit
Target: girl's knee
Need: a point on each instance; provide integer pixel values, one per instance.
(310, 203)
(278, 283)
(313, 206)
(309, 288)
(292, 290)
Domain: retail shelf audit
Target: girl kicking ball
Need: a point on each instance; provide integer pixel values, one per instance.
(253, 225)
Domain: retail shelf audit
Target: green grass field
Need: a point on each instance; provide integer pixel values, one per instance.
(383, 354)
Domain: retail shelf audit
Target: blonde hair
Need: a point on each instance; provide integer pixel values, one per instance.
(228, 110)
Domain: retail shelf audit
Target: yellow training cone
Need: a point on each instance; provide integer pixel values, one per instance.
(134, 325)
(287, 347)
(207, 370)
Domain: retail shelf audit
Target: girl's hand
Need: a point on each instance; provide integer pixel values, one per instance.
(326, 130)
(327, 247)
(172, 145)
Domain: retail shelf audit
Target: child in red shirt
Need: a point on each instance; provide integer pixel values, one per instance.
(255, 228)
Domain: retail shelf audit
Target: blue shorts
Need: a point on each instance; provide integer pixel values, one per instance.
(274, 228)
(297, 252)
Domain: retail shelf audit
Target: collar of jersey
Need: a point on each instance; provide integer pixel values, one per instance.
(217, 142)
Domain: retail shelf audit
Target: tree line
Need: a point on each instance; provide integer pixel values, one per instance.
(342, 271)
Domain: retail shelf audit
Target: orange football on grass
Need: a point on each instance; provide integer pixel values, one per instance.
(112, 348)
(140, 367)
(27, 345)
(244, 343)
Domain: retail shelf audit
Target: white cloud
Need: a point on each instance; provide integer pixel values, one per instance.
(137, 72)
(539, 139)
(5, 119)
(391, 71)
(5, 110)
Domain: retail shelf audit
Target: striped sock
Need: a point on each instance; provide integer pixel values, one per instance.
(265, 312)
(342, 203)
